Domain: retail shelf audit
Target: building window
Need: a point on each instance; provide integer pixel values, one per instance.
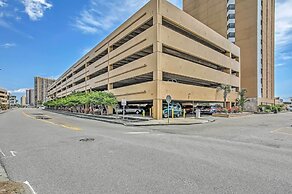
(231, 7)
(231, 16)
(231, 25)
(231, 35)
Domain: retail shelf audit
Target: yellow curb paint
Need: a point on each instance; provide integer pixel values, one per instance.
(61, 125)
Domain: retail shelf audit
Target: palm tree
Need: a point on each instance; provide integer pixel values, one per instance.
(242, 99)
(226, 90)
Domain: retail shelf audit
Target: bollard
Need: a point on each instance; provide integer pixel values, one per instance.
(184, 113)
(172, 112)
(198, 113)
(143, 113)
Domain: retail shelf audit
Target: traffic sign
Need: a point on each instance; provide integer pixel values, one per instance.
(124, 102)
(168, 99)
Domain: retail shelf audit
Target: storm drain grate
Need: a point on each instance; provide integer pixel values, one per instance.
(87, 139)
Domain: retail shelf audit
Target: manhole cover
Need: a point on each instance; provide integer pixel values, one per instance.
(42, 117)
(86, 139)
(37, 114)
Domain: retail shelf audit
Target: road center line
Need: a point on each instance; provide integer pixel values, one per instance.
(61, 125)
(30, 187)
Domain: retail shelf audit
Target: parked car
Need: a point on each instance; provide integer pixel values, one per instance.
(207, 109)
(189, 108)
(289, 108)
(130, 110)
(176, 108)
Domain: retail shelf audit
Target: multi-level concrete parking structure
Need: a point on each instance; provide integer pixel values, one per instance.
(159, 51)
(3, 99)
(250, 25)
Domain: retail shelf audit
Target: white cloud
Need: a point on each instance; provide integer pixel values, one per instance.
(35, 8)
(20, 90)
(280, 65)
(105, 15)
(283, 23)
(3, 3)
(8, 45)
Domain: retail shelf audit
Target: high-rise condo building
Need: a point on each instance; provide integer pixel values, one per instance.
(250, 25)
(41, 86)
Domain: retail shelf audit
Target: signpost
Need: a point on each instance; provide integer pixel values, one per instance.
(168, 100)
(124, 104)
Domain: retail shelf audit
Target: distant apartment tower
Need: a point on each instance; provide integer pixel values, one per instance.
(41, 86)
(30, 97)
(23, 101)
(12, 101)
(250, 25)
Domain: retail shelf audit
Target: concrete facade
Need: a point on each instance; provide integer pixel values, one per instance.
(3, 99)
(253, 32)
(41, 86)
(159, 51)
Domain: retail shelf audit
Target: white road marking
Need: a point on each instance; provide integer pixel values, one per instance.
(2, 153)
(137, 133)
(13, 153)
(281, 132)
(27, 183)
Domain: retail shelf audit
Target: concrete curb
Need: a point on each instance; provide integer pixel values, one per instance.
(130, 124)
(163, 124)
(3, 174)
(4, 178)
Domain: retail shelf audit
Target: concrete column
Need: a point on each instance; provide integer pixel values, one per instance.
(228, 105)
(157, 102)
(157, 109)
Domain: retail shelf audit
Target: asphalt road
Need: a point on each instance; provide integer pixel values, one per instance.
(252, 154)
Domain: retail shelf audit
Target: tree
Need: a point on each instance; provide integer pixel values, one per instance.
(242, 98)
(102, 99)
(226, 90)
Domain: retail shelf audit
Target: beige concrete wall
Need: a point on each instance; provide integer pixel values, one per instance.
(210, 12)
(268, 48)
(246, 38)
(213, 14)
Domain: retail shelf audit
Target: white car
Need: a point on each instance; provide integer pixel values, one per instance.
(130, 110)
(290, 108)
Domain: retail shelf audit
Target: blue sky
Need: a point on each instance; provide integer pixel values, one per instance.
(46, 37)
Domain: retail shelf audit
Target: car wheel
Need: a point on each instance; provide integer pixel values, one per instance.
(165, 115)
